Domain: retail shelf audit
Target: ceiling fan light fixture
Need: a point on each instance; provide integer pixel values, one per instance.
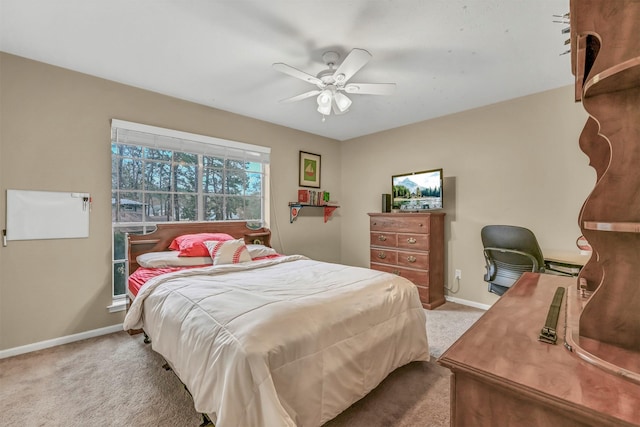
(325, 110)
(324, 102)
(342, 101)
(324, 98)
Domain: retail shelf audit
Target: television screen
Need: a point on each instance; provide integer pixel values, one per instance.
(417, 191)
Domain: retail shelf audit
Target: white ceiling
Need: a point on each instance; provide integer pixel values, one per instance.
(445, 56)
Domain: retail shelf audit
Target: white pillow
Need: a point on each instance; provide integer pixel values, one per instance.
(257, 251)
(170, 259)
(228, 252)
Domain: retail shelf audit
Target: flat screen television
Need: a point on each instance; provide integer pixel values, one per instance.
(417, 191)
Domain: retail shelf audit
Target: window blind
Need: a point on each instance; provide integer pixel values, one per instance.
(130, 133)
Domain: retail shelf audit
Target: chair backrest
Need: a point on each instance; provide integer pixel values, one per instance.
(509, 251)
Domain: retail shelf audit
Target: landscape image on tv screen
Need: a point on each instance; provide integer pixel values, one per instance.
(417, 191)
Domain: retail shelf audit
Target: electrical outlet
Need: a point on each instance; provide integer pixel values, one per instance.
(458, 274)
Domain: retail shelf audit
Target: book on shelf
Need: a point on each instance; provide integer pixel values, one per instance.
(304, 196)
(312, 197)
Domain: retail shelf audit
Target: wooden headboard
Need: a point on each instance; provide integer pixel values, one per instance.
(161, 238)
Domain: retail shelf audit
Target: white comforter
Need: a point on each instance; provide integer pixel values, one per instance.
(281, 342)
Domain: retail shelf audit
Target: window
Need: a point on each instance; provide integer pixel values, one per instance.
(162, 175)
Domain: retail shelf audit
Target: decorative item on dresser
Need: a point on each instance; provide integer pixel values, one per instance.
(411, 245)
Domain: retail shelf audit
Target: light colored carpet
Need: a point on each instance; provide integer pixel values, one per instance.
(447, 323)
(117, 380)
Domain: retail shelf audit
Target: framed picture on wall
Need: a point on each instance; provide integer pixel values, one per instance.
(309, 170)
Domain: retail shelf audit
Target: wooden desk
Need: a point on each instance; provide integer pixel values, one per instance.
(567, 257)
(565, 261)
(504, 376)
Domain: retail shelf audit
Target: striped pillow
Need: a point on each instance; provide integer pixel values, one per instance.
(228, 251)
(192, 244)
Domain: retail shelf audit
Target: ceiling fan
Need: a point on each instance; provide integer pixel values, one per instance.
(332, 82)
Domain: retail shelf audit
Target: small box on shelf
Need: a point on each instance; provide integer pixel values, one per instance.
(325, 197)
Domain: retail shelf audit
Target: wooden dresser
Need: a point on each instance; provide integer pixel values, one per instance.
(411, 245)
(504, 376)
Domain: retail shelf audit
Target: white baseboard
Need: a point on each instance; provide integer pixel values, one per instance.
(59, 341)
(467, 302)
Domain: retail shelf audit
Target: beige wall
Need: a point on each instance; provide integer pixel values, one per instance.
(516, 162)
(55, 136)
(512, 163)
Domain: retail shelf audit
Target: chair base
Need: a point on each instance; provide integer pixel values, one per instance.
(497, 289)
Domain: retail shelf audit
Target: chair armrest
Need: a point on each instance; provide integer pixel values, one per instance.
(536, 267)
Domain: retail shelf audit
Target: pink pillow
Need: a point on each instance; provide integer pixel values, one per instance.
(228, 252)
(193, 244)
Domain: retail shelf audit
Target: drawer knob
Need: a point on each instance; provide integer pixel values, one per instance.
(411, 258)
(382, 255)
(411, 240)
(396, 272)
(382, 238)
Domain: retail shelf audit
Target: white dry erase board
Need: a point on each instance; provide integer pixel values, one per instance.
(33, 215)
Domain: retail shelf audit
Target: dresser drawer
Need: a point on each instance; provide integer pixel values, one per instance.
(413, 259)
(420, 278)
(384, 256)
(419, 242)
(384, 239)
(400, 224)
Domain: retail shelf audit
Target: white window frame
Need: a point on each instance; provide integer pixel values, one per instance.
(190, 143)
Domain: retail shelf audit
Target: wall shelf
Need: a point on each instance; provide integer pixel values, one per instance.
(623, 227)
(294, 210)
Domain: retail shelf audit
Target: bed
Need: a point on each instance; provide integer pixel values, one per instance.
(274, 340)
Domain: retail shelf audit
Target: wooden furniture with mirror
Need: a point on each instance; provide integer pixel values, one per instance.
(502, 374)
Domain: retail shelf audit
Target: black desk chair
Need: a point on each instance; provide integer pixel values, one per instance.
(509, 251)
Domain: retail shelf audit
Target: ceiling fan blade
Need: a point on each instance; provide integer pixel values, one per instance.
(356, 59)
(370, 88)
(301, 96)
(294, 72)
